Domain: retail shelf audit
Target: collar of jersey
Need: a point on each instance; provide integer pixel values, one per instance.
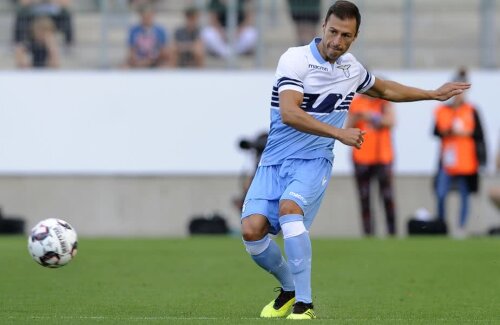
(314, 49)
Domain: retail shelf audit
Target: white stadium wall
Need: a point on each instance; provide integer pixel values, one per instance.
(140, 153)
(174, 122)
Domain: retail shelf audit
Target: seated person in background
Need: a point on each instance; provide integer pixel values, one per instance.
(305, 15)
(57, 10)
(147, 43)
(23, 21)
(41, 49)
(215, 35)
(63, 20)
(188, 46)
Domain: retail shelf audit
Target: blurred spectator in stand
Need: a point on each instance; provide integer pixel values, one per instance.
(41, 49)
(57, 10)
(189, 50)
(215, 34)
(305, 15)
(148, 43)
(374, 160)
(462, 152)
(494, 192)
(23, 21)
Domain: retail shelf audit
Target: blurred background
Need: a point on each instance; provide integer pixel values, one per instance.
(126, 117)
(395, 34)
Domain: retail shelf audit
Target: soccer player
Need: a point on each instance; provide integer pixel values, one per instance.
(311, 95)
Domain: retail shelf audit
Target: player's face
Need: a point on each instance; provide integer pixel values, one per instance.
(338, 36)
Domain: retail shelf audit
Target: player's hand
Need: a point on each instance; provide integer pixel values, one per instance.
(450, 89)
(352, 137)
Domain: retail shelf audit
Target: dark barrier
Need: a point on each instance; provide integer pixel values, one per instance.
(11, 225)
(214, 224)
(427, 227)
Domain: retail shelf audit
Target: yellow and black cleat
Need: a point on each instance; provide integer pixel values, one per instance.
(279, 307)
(302, 311)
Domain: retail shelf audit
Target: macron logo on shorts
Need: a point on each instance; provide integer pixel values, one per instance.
(298, 196)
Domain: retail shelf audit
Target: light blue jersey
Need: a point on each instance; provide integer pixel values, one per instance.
(328, 91)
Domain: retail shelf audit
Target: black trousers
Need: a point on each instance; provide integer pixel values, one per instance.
(383, 174)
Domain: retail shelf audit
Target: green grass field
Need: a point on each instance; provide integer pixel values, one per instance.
(211, 280)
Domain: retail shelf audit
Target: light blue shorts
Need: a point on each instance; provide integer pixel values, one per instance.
(303, 181)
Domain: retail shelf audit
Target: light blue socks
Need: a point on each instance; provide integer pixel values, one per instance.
(298, 251)
(267, 254)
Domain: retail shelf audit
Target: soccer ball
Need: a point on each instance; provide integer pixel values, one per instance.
(52, 243)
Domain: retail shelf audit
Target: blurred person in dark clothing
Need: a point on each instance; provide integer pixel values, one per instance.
(23, 21)
(189, 50)
(29, 10)
(374, 160)
(305, 15)
(40, 50)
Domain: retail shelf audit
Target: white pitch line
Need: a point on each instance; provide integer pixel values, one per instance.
(126, 318)
(152, 318)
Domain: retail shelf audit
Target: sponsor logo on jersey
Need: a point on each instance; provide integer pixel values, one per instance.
(317, 67)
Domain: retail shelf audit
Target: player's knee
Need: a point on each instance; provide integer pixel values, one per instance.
(251, 234)
(289, 207)
(257, 247)
(253, 229)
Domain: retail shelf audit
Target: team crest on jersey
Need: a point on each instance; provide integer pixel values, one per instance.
(345, 68)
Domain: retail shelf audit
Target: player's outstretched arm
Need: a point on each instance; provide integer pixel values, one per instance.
(292, 115)
(396, 92)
